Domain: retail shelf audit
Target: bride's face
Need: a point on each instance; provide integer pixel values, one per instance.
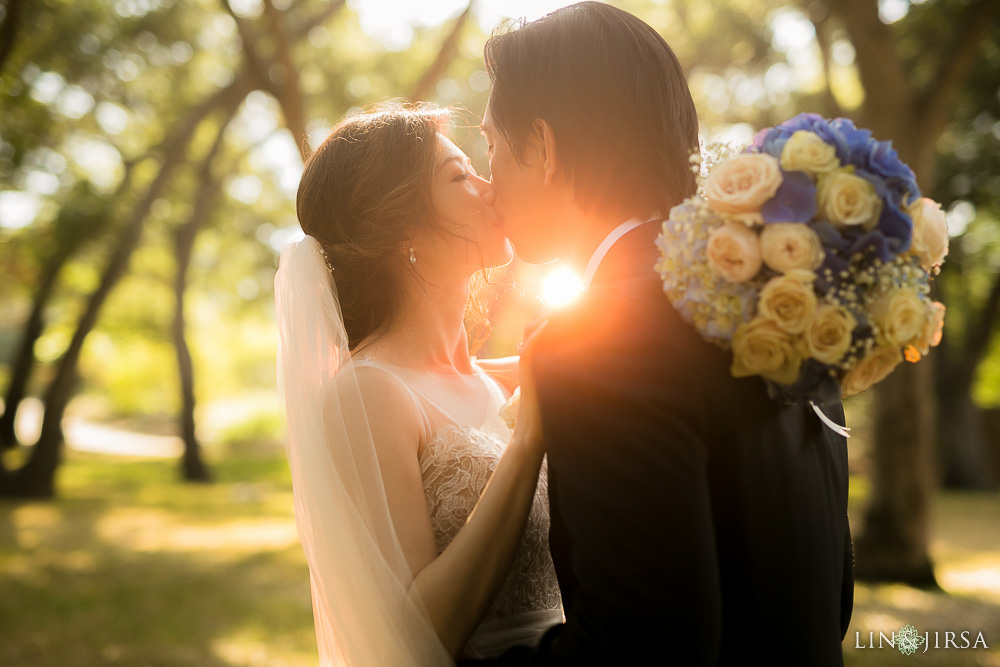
(465, 203)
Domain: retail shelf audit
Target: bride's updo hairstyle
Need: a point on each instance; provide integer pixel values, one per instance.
(363, 193)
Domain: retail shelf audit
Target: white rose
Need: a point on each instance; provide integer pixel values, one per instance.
(847, 200)
(806, 151)
(789, 301)
(829, 335)
(899, 316)
(760, 347)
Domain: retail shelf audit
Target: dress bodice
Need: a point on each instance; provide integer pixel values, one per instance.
(455, 467)
(464, 440)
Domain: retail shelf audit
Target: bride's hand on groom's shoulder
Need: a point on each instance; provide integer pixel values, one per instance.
(529, 426)
(532, 327)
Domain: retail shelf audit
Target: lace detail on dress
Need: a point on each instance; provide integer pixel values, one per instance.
(455, 466)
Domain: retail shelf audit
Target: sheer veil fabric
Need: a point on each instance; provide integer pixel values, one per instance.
(363, 609)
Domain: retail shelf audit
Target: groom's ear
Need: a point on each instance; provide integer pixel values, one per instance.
(544, 141)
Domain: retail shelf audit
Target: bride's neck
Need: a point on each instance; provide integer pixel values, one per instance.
(429, 333)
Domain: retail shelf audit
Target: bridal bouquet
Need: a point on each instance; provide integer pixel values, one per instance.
(809, 255)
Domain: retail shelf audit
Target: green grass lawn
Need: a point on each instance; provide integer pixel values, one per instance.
(131, 567)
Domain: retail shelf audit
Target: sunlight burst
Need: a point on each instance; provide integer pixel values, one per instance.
(560, 287)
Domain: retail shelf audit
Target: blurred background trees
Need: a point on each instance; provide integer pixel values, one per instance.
(150, 151)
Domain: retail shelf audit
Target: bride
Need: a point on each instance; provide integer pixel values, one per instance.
(424, 520)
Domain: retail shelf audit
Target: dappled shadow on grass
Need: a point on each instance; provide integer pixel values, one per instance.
(157, 609)
(965, 548)
(887, 608)
(132, 567)
(154, 573)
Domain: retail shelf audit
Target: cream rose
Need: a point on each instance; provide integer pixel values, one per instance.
(741, 185)
(847, 200)
(899, 316)
(828, 338)
(930, 233)
(511, 408)
(786, 246)
(871, 370)
(760, 347)
(933, 328)
(734, 252)
(805, 151)
(789, 301)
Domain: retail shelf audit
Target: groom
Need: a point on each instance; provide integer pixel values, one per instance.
(694, 520)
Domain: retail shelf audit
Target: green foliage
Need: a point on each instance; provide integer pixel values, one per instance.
(92, 88)
(261, 428)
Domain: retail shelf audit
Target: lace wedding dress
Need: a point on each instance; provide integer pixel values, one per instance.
(464, 438)
(366, 611)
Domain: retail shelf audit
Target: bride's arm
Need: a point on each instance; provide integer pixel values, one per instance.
(456, 587)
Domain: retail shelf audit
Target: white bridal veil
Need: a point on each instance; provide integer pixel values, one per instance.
(364, 611)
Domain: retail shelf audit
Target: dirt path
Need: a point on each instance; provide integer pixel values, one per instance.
(86, 436)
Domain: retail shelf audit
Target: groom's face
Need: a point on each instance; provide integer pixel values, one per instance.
(522, 200)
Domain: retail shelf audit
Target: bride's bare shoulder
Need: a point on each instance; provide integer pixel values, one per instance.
(381, 398)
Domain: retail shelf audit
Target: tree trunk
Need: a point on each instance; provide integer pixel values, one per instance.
(965, 462)
(36, 479)
(893, 545)
(963, 438)
(24, 363)
(193, 468)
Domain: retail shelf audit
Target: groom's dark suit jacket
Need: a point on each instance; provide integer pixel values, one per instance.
(694, 520)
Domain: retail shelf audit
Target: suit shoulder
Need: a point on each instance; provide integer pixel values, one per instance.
(624, 323)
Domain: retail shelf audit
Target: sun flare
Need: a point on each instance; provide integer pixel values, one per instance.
(560, 287)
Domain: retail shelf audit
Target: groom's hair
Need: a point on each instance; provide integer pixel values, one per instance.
(617, 100)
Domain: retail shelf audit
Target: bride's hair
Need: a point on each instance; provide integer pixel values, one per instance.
(362, 194)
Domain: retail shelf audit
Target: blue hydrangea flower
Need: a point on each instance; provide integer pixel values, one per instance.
(795, 200)
(772, 140)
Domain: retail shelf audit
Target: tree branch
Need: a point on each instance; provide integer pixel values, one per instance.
(303, 29)
(936, 100)
(879, 67)
(8, 30)
(253, 59)
(819, 22)
(444, 57)
(289, 93)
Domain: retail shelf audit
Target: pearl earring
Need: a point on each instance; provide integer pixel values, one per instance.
(413, 258)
